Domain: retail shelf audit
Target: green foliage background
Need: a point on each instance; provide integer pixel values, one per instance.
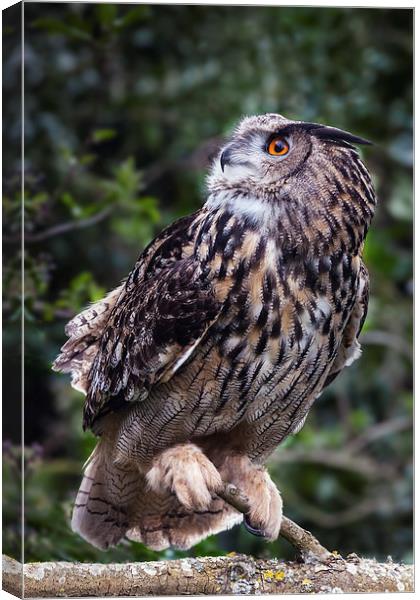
(124, 105)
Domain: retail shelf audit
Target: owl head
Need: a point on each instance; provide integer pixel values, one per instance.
(269, 157)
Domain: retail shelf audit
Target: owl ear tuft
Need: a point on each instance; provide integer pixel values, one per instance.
(339, 135)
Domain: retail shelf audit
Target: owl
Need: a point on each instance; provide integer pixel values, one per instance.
(214, 348)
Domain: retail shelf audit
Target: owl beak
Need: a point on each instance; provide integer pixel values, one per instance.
(225, 158)
(230, 158)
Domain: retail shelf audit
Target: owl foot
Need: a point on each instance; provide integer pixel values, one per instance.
(264, 518)
(187, 472)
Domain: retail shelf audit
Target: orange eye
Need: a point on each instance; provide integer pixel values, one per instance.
(278, 147)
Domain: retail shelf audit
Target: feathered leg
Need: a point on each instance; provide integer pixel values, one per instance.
(181, 505)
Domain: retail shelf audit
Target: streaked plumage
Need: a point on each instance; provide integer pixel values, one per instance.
(213, 350)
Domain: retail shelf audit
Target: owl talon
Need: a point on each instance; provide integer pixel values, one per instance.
(265, 515)
(251, 529)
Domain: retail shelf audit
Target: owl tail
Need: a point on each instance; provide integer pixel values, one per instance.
(114, 502)
(103, 503)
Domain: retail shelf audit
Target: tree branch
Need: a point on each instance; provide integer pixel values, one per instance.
(198, 159)
(390, 340)
(302, 540)
(62, 228)
(322, 572)
(378, 431)
(237, 574)
(345, 460)
(332, 520)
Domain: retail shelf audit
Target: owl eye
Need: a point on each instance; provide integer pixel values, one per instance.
(278, 146)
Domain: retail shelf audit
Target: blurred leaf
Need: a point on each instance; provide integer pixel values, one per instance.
(106, 13)
(400, 205)
(82, 289)
(134, 16)
(56, 26)
(359, 419)
(102, 135)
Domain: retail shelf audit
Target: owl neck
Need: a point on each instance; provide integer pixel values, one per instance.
(296, 228)
(247, 208)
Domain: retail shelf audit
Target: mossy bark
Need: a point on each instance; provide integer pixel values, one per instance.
(233, 574)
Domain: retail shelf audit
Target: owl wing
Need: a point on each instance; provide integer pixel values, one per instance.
(350, 348)
(84, 332)
(153, 326)
(85, 329)
(151, 332)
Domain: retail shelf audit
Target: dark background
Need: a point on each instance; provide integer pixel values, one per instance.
(124, 107)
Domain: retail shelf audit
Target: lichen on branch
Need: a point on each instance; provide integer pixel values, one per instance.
(233, 574)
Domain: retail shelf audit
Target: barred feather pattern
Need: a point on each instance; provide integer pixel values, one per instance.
(230, 325)
(269, 353)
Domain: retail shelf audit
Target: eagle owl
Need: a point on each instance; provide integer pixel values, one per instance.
(230, 325)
